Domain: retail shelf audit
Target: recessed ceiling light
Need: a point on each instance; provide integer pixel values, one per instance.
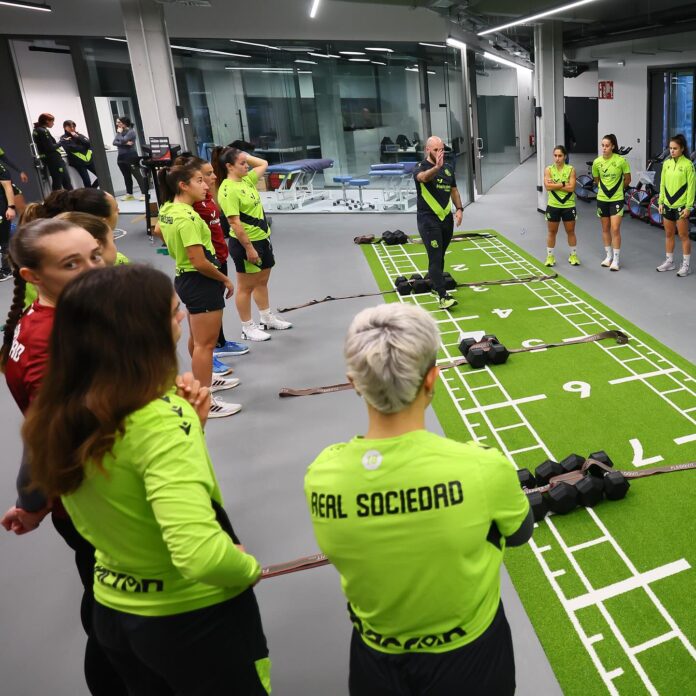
(503, 61)
(377, 62)
(358, 60)
(424, 43)
(112, 38)
(308, 62)
(304, 72)
(532, 18)
(251, 43)
(456, 43)
(380, 49)
(324, 55)
(352, 53)
(26, 5)
(411, 69)
(431, 72)
(235, 67)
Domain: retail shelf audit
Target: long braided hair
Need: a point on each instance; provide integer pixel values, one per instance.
(26, 252)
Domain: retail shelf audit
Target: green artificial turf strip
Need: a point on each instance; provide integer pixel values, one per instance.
(652, 525)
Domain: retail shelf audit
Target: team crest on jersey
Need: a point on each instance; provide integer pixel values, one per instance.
(448, 172)
(372, 459)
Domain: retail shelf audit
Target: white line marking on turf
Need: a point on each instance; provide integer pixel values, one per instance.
(558, 573)
(652, 643)
(615, 674)
(618, 588)
(595, 638)
(526, 449)
(587, 544)
(554, 306)
(645, 375)
(503, 404)
(521, 425)
(684, 439)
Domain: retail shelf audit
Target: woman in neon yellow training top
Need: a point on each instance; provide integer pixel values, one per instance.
(559, 180)
(416, 525)
(612, 174)
(677, 185)
(124, 448)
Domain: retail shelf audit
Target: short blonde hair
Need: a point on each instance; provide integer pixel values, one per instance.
(388, 350)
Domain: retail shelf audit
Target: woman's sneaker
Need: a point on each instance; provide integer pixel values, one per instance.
(253, 332)
(230, 349)
(666, 265)
(683, 270)
(573, 260)
(607, 261)
(128, 197)
(550, 260)
(219, 368)
(221, 409)
(614, 265)
(446, 302)
(221, 383)
(272, 322)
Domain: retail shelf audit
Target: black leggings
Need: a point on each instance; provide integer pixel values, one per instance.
(131, 169)
(100, 675)
(82, 170)
(436, 238)
(60, 179)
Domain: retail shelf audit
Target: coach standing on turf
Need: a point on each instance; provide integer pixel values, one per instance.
(437, 190)
(416, 525)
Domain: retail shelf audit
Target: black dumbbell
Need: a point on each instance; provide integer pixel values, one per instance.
(573, 462)
(419, 284)
(477, 357)
(616, 485)
(465, 344)
(490, 338)
(561, 498)
(538, 505)
(546, 470)
(602, 457)
(526, 478)
(498, 354)
(590, 491)
(403, 287)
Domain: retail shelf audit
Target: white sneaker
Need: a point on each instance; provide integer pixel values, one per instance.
(666, 265)
(607, 261)
(253, 333)
(274, 323)
(128, 197)
(614, 265)
(683, 270)
(221, 383)
(222, 409)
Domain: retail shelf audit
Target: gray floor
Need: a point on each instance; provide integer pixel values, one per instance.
(261, 454)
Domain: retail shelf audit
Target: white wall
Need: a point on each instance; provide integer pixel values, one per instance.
(584, 85)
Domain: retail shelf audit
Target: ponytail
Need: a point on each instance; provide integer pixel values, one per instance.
(83, 200)
(614, 143)
(13, 316)
(216, 159)
(169, 179)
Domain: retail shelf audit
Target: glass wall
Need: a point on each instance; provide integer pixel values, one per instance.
(356, 105)
(496, 105)
(671, 107)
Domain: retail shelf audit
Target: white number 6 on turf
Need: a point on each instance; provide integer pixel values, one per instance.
(582, 388)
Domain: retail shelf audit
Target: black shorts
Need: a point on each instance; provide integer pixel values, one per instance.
(485, 667)
(264, 249)
(610, 208)
(558, 214)
(672, 214)
(199, 293)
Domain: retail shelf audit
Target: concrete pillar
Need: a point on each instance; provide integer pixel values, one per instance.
(153, 70)
(548, 61)
(327, 97)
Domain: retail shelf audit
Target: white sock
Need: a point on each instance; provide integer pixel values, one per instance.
(247, 324)
(573, 250)
(670, 257)
(616, 255)
(265, 314)
(687, 259)
(549, 250)
(607, 251)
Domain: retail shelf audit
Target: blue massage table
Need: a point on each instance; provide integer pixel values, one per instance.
(396, 179)
(297, 181)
